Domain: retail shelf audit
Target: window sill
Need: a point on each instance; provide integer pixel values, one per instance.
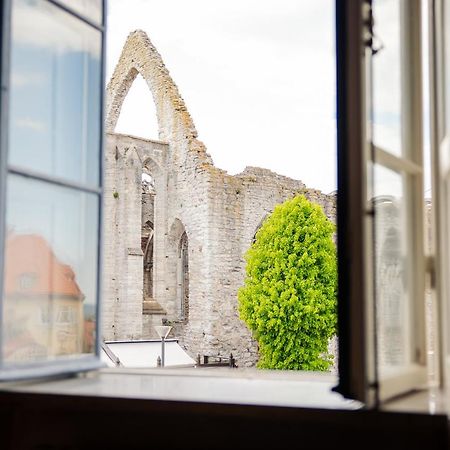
(236, 386)
(223, 386)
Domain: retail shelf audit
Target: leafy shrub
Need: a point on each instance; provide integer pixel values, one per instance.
(289, 296)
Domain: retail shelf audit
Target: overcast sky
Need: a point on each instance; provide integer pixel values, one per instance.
(258, 77)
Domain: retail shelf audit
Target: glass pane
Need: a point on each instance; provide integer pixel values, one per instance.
(391, 269)
(387, 76)
(55, 93)
(50, 271)
(92, 9)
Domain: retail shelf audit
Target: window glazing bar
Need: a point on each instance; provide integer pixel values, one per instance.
(49, 368)
(54, 180)
(78, 15)
(396, 163)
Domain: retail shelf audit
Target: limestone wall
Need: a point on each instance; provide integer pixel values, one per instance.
(220, 214)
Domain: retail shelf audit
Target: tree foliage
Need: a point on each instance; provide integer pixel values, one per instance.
(289, 296)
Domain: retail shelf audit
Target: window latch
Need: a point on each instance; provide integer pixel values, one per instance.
(371, 40)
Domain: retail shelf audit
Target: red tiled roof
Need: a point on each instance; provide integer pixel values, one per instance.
(31, 267)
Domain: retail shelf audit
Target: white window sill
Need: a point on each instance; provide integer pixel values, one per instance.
(224, 386)
(235, 386)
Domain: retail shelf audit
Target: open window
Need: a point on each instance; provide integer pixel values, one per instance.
(51, 239)
(51, 192)
(393, 107)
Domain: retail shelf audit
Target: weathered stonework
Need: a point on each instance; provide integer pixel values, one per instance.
(218, 213)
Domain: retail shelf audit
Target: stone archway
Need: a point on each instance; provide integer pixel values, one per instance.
(140, 56)
(260, 224)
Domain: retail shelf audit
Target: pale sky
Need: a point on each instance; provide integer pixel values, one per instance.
(257, 76)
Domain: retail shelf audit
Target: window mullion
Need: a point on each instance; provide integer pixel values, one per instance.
(397, 163)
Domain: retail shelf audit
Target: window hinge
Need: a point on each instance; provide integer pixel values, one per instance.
(430, 268)
(418, 354)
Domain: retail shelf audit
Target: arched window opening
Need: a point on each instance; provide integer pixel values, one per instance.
(184, 276)
(147, 235)
(258, 227)
(144, 124)
(147, 249)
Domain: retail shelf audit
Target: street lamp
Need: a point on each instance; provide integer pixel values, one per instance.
(163, 331)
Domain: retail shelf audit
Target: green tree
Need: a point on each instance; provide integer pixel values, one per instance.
(289, 296)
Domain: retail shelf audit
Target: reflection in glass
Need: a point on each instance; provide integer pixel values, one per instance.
(50, 271)
(55, 93)
(387, 76)
(92, 9)
(391, 269)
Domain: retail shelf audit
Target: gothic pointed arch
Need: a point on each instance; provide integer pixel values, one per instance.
(176, 231)
(180, 241)
(140, 56)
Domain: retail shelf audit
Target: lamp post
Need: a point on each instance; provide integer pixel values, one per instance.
(163, 331)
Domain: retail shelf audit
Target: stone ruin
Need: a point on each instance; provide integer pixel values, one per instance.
(174, 245)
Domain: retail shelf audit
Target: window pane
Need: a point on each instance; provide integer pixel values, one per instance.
(92, 9)
(387, 76)
(391, 269)
(50, 271)
(55, 93)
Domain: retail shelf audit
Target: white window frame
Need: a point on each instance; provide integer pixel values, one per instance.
(71, 364)
(439, 21)
(410, 166)
(359, 370)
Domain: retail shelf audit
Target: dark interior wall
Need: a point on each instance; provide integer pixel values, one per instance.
(36, 421)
